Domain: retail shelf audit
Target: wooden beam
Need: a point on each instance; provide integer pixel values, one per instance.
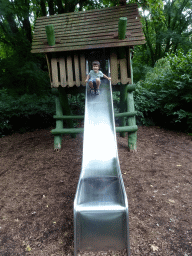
(132, 136)
(82, 116)
(68, 117)
(133, 128)
(67, 131)
(126, 114)
(59, 124)
(81, 130)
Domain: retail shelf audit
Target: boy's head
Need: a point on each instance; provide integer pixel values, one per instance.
(96, 63)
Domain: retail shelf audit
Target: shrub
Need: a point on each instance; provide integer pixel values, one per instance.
(25, 113)
(23, 76)
(165, 96)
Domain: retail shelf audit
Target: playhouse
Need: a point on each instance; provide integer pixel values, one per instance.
(90, 35)
(71, 42)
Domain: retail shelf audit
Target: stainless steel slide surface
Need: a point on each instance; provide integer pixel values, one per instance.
(100, 206)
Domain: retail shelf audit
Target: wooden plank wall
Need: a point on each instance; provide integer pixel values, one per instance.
(71, 70)
(120, 72)
(68, 71)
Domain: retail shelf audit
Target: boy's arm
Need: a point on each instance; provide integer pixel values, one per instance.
(109, 78)
(87, 78)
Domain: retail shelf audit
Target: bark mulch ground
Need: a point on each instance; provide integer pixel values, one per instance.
(38, 185)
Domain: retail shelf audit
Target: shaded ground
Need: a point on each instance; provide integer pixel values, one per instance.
(38, 185)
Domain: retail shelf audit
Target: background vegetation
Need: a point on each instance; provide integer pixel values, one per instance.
(162, 67)
(164, 98)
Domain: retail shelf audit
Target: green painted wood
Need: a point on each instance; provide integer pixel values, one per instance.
(132, 128)
(127, 114)
(131, 87)
(50, 34)
(67, 131)
(81, 130)
(130, 54)
(122, 26)
(54, 91)
(132, 136)
(65, 106)
(123, 105)
(59, 124)
(68, 117)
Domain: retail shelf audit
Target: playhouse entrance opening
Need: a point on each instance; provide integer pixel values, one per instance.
(101, 55)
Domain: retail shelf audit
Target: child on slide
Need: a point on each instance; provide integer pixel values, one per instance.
(94, 78)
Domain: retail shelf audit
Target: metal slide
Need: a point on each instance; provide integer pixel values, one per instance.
(101, 221)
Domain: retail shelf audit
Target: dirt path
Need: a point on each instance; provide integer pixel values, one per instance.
(38, 185)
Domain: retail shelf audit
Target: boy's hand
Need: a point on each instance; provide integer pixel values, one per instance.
(109, 78)
(86, 80)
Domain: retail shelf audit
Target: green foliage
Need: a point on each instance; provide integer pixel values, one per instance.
(22, 76)
(116, 101)
(25, 113)
(166, 26)
(77, 103)
(109, 3)
(165, 96)
(29, 112)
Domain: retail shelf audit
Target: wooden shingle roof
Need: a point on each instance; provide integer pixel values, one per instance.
(89, 30)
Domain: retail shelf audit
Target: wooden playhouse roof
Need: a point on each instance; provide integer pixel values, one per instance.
(88, 30)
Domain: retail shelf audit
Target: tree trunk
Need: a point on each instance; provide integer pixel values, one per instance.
(149, 43)
(27, 28)
(43, 8)
(51, 7)
(122, 2)
(60, 7)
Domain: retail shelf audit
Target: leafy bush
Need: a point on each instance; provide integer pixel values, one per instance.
(24, 76)
(165, 96)
(28, 112)
(116, 101)
(77, 103)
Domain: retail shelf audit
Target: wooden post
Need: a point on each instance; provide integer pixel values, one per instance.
(132, 136)
(123, 86)
(122, 28)
(50, 34)
(123, 106)
(59, 123)
(65, 106)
